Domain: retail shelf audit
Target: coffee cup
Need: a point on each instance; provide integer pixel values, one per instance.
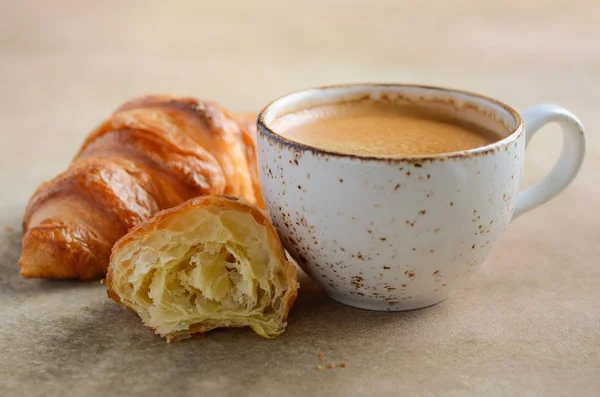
(402, 232)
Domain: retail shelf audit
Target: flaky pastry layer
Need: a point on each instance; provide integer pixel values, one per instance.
(211, 262)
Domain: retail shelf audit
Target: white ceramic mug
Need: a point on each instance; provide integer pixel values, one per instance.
(403, 232)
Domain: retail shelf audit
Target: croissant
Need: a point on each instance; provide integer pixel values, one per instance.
(155, 152)
(210, 262)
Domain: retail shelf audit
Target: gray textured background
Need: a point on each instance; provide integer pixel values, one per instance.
(527, 324)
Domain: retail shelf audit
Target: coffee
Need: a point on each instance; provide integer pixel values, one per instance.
(377, 128)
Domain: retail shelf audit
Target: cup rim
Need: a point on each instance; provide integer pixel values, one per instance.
(517, 131)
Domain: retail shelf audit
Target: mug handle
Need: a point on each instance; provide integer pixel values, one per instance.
(568, 164)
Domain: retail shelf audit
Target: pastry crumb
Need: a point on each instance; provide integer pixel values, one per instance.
(102, 281)
(123, 348)
(9, 229)
(330, 365)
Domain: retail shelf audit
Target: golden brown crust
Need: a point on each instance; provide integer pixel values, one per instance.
(153, 153)
(120, 272)
(247, 123)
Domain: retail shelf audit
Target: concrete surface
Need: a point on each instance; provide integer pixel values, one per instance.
(527, 324)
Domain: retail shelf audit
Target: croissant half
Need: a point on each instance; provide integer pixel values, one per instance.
(208, 263)
(155, 152)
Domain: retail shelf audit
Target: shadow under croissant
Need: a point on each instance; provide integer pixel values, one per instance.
(102, 337)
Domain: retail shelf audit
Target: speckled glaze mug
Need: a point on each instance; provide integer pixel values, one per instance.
(403, 232)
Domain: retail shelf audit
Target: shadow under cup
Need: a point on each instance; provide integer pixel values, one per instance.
(391, 232)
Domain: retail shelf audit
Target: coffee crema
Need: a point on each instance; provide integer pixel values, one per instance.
(376, 128)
